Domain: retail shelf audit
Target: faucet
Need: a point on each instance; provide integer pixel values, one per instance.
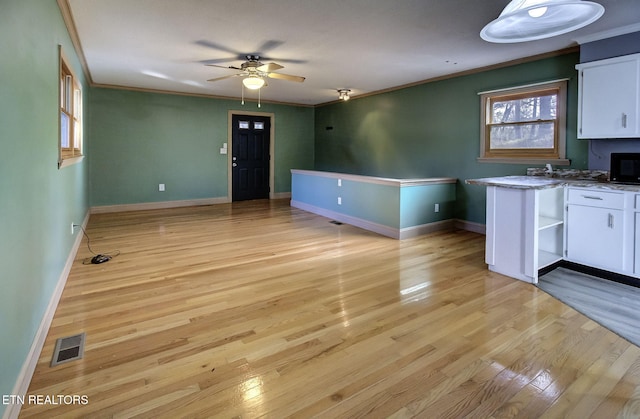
(549, 169)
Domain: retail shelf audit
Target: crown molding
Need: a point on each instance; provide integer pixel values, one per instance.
(67, 16)
(622, 30)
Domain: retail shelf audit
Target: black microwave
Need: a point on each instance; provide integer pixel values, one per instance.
(625, 168)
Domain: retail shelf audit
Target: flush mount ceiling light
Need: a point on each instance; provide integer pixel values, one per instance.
(253, 82)
(530, 20)
(343, 94)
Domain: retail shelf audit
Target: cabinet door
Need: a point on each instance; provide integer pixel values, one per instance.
(636, 266)
(595, 237)
(608, 100)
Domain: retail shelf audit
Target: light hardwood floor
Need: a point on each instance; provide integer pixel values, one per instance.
(256, 309)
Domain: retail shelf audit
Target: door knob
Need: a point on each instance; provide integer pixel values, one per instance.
(234, 164)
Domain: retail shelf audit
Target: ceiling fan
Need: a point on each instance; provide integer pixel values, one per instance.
(255, 72)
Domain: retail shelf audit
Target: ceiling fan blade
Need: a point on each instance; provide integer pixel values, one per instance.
(224, 77)
(288, 77)
(226, 67)
(269, 67)
(284, 60)
(218, 60)
(269, 45)
(213, 45)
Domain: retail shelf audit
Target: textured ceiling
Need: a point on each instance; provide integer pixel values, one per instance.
(362, 45)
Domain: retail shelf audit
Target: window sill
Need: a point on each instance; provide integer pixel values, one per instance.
(70, 161)
(513, 160)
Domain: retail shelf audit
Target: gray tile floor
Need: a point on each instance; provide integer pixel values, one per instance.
(613, 305)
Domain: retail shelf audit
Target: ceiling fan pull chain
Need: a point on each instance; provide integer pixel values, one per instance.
(259, 97)
(242, 93)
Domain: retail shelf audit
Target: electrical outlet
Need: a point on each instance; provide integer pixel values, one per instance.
(436, 208)
(339, 200)
(161, 187)
(339, 182)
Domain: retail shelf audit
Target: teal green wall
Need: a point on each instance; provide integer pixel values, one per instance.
(135, 140)
(433, 130)
(388, 205)
(140, 139)
(417, 204)
(38, 202)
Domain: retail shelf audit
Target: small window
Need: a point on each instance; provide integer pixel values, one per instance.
(70, 141)
(243, 124)
(258, 125)
(525, 124)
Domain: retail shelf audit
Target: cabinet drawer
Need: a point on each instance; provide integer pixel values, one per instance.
(596, 198)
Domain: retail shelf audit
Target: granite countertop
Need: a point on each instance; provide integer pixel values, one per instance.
(519, 182)
(556, 180)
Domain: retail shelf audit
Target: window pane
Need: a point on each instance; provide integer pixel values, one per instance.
(64, 130)
(258, 125)
(526, 136)
(243, 124)
(77, 132)
(525, 109)
(77, 103)
(62, 92)
(68, 86)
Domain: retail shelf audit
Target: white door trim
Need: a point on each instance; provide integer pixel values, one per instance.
(272, 141)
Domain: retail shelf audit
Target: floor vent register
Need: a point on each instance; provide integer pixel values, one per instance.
(68, 349)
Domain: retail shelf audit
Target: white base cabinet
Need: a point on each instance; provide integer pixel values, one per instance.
(524, 230)
(636, 264)
(587, 223)
(532, 225)
(599, 230)
(636, 269)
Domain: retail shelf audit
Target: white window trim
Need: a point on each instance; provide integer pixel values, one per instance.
(69, 161)
(562, 123)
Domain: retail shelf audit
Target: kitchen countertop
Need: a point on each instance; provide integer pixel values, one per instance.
(547, 182)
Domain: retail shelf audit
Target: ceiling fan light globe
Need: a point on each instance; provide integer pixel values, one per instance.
(530, 20)
(253, 82)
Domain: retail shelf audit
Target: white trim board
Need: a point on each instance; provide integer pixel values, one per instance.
(26, 372)
(623, 30)
(376, 180)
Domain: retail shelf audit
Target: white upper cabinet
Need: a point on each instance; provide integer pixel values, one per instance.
(609, 96)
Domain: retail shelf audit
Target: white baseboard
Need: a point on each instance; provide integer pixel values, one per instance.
(470, 226)
(419, 230)
(384, 230)
(280, 195)
(173, 204)
(26, 373)
(158, 205)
